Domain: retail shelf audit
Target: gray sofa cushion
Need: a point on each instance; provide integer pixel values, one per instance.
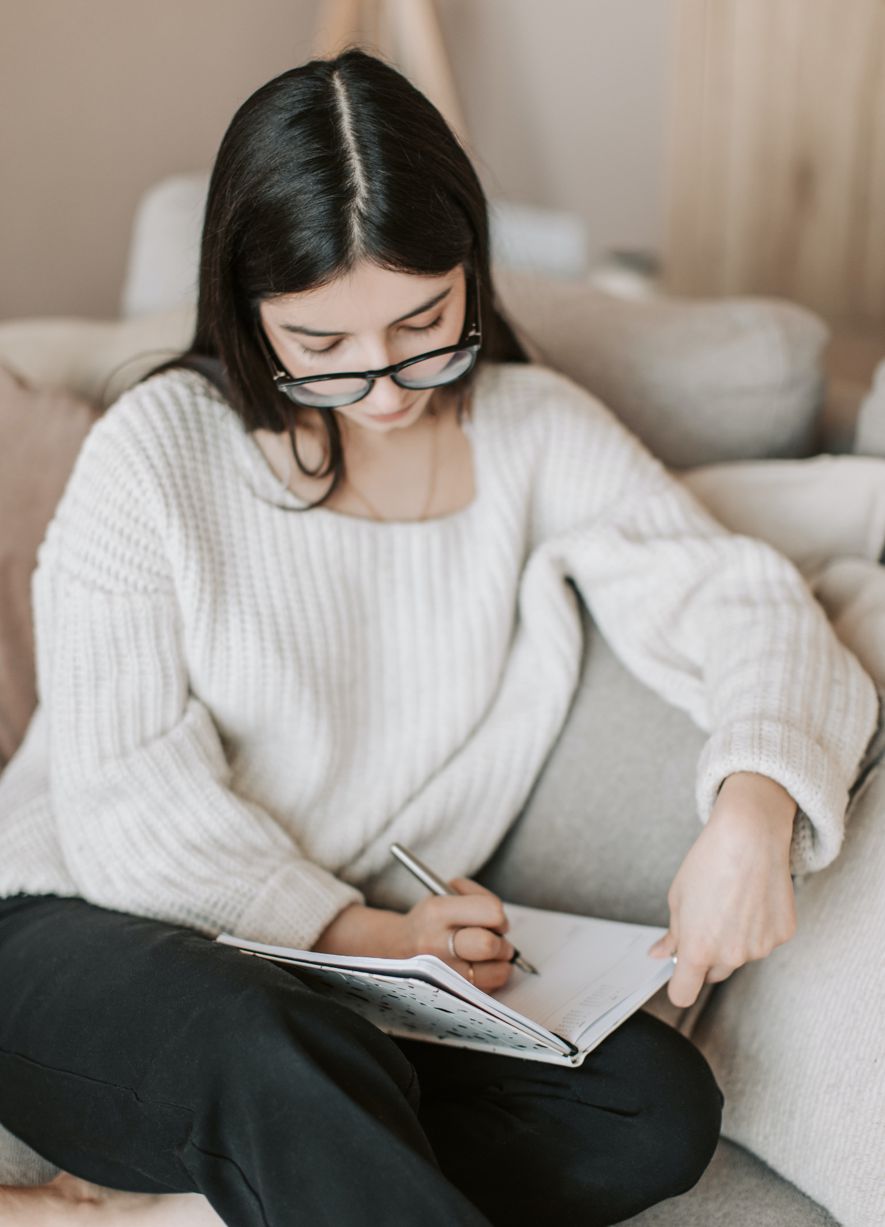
(736, 1190)
(698, 381)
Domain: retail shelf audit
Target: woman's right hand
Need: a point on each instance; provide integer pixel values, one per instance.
(472, 915)
(475, 912)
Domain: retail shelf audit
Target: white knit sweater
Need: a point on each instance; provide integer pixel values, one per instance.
(241, 707)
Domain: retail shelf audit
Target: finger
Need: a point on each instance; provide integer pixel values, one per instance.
(467, 886)
(686, 982)
(479, 945)
(472, 908)
(486, 976)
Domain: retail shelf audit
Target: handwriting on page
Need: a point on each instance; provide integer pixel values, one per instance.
(601, 998)
(587, 966)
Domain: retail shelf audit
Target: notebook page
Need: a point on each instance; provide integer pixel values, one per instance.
(588, 966)
(596, 1032)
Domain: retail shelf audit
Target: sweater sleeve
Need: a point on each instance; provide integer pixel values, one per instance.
(717, 623)
(145, 816)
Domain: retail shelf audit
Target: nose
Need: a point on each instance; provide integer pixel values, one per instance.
(386, 396)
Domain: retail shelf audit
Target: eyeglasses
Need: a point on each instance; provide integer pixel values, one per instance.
(428, 370)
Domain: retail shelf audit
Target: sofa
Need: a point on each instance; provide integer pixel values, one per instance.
(729, 393)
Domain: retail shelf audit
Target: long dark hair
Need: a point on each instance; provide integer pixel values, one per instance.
(329, 164)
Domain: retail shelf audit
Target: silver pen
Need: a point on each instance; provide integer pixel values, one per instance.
(435, 883)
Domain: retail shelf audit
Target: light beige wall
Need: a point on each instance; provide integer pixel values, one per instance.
(100, 98)
(565, 101)
(778, 185)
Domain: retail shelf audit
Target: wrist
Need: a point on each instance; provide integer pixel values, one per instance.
(760, 793)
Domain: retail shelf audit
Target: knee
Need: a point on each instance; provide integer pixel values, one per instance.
(681, 1116)
(667, 1123)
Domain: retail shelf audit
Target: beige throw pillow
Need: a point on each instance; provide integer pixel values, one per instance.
(40, 435)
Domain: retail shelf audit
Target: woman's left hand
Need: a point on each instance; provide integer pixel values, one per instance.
(732, 899)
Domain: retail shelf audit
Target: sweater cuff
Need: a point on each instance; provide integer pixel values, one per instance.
(800, 765)
(295, 905)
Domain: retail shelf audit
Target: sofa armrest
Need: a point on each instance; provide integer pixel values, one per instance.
(94, 359)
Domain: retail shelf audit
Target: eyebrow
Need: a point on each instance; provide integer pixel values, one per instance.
(312, 332)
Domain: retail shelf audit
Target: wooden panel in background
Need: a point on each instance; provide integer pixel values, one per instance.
(776, 154)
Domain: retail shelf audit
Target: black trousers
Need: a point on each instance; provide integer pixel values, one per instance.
(144, 1056)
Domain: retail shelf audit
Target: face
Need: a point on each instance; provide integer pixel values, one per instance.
(369, 319)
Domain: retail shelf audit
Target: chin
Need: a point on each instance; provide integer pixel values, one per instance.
(406, 413)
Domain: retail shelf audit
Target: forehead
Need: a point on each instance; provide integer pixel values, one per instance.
(366, 298)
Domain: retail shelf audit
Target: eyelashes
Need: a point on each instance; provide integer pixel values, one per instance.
(312, 354)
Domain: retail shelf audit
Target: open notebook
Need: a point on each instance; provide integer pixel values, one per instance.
(594, 974)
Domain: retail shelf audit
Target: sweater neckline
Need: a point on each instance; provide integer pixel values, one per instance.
(267, 486)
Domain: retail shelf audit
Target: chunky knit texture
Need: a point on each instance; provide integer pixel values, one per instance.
(241, 706)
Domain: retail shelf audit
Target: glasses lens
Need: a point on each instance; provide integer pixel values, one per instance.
(328, 393)
(430, 372)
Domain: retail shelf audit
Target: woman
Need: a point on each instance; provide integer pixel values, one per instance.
(287, 613)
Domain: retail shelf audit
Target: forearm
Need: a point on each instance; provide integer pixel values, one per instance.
(358, 929)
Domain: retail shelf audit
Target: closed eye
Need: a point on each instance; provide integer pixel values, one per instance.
(313, 353)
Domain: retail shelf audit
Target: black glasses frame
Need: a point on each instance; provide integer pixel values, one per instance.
(471, 338)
